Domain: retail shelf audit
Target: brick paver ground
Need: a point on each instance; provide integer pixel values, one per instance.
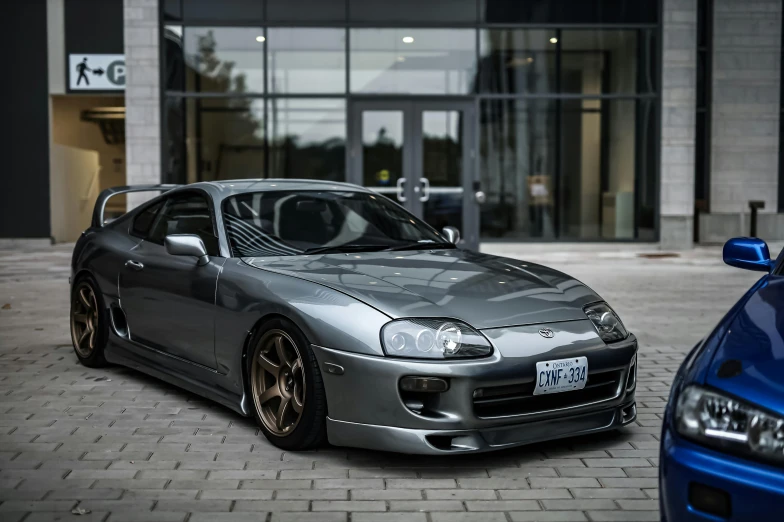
(126, 447)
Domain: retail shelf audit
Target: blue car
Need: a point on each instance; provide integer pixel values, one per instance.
(722, 450)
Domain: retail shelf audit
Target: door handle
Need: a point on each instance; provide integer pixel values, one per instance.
(400, 189)
(425, 189)
(134, 264)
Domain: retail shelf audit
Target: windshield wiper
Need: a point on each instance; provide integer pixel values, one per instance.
(344, 248)
(420, 246)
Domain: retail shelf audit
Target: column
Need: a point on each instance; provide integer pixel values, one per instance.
(678, 123)
(142, 96)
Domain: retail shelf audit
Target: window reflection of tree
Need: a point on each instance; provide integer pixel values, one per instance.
(229, 132)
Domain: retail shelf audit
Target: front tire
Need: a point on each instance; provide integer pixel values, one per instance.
(286, 388)
(89, 323)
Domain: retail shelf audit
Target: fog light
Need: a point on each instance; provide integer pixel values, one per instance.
(424, 384)
(712, 501)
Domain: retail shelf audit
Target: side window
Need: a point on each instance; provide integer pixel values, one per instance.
(186, 214)
(142, 222)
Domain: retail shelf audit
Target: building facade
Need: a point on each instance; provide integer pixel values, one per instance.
(536, 120)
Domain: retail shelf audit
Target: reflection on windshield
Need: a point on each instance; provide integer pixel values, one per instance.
(287, 223)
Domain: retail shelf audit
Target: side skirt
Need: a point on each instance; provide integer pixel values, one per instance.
(184, 374)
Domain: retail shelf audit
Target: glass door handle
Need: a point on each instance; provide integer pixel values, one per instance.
(425, 189)
(401, 189)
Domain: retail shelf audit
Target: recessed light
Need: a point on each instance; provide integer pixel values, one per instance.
(408, 39)
(401, 58)
(260, 39)
(553, 40)
(529, 59)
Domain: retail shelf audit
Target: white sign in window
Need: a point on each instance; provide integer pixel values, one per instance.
(96, 72)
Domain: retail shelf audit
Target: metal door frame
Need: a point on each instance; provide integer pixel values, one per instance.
(412, 109)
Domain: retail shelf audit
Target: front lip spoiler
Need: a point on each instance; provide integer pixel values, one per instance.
(444, 442)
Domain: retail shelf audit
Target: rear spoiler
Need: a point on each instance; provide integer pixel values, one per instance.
(103, 197)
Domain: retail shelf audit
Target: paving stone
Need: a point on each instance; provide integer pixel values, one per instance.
(502, 505)
(309, 517)
(227, 517)
(426, 505)
(468, 517)
(613, 493)
(386, 494)
(388, 517)
(548, 516)
(460, 494)
(349, 505)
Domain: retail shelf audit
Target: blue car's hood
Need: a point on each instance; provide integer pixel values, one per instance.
(755, 338)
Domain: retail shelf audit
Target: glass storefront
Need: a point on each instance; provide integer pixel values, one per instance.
(511, 120)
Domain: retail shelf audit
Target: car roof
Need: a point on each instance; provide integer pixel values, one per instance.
(226, 188)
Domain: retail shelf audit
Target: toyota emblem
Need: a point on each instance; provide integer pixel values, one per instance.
(546, 333)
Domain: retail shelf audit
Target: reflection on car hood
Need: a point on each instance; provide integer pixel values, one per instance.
(755, 339)
(483, 290)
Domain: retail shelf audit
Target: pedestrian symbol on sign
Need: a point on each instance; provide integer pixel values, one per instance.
(81, 67)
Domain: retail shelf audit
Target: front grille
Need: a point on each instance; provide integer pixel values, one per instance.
(519, 399)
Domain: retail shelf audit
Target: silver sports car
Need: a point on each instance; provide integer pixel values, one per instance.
(328, 312)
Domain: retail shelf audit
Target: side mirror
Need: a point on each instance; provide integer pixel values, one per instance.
(452, 234)
(187, 245)
(748, 253)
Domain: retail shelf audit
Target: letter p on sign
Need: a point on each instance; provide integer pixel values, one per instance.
(116, 72)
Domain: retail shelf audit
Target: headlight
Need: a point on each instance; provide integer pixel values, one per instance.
(433, 339)
(728, 424)
(607, 324)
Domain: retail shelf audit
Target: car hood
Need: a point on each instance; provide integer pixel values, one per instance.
(482, 290)
(755, 340)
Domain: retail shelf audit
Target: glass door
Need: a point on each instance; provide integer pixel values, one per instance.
(420, 154)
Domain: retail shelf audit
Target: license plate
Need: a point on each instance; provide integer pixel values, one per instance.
(561, 375)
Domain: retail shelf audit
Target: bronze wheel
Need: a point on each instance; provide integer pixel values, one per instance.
(278, 382)
(84, 320)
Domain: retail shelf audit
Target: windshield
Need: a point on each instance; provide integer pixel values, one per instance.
(287, 223)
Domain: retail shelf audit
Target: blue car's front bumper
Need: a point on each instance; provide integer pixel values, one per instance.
(756, 491)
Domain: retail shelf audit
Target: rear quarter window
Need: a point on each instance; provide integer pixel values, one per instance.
(142, 222)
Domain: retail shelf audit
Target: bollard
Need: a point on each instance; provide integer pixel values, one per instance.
(754, 206)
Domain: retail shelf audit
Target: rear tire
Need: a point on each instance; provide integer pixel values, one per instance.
(89, 323)
(286, 388)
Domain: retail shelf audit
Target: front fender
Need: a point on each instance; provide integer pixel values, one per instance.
(245, 295)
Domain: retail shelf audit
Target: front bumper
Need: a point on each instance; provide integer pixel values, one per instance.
(367, 408)
(755, 491)
(439, 442)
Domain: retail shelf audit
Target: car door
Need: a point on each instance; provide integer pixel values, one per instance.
(169, 301)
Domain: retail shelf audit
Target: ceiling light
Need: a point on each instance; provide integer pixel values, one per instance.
(553, 40)
(260, 39)
(529, 60)
(408, 39)
(401, 58)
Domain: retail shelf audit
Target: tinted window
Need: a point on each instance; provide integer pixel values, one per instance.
(440, 11)
(296, 10)
(283, 223)
(224, 59)
(142, 222)
(186, 214)
(413, 61)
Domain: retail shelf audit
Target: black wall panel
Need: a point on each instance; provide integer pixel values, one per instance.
(94, 26)
(24, 95)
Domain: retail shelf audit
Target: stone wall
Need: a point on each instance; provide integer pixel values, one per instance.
(745, 117)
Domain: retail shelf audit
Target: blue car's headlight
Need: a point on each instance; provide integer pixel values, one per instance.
(714, 419)
(433, 339)
(606, 322)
